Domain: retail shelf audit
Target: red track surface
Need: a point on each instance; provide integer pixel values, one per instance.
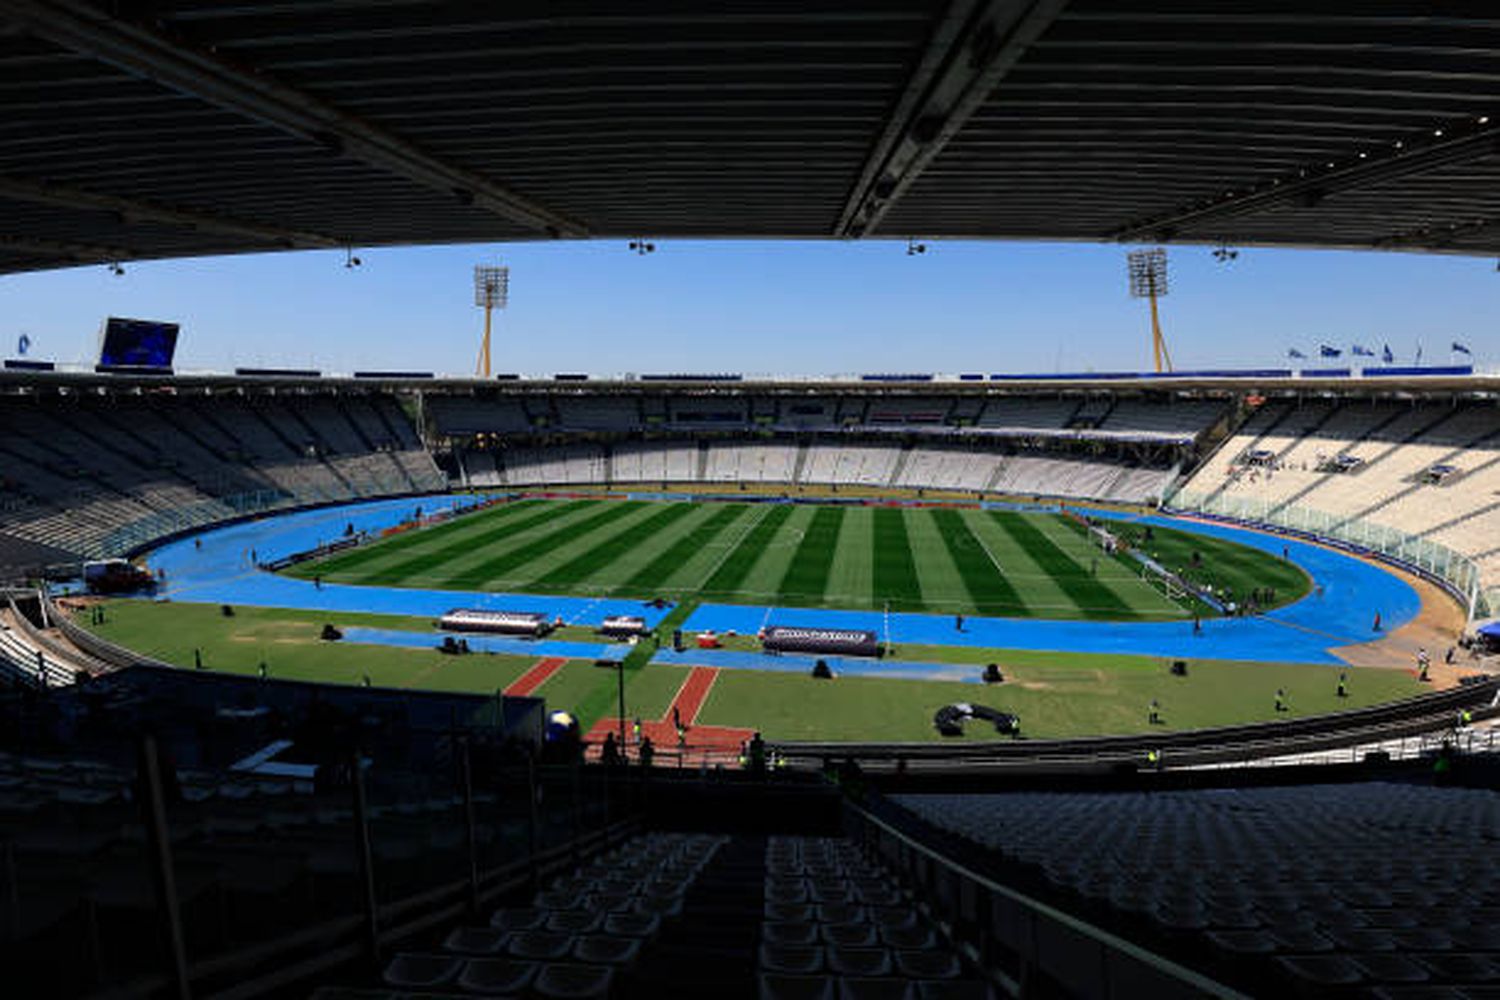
(535, 677)
(717, 742)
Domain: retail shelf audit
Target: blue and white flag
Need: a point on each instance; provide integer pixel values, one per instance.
(1329, 352)
(1294, 353)
(1388, 356)
(1361, 351)
(1461, 349)
(23, 345)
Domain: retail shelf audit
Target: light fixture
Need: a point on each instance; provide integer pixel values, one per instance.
(116, 269)
(1484, 119)
(351, 261)
(1224, 254)
(641, 246)
(913, 247)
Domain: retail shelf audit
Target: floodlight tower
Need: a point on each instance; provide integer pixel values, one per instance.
(491, 291)
(1148, 280)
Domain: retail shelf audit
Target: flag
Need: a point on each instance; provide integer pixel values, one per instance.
(1461, 349)
(1360, 351)
(1388, 357)
(1329, 352)
(1294, 353)
(23, 345)
(1419, 355)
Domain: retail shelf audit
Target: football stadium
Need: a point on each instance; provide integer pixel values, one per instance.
(388, 683)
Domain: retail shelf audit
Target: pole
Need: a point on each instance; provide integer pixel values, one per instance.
(365, 860)
(484, 347)
(531, 821)
(160, 846)
(1158, 342)
(471, 833)
(620, 671)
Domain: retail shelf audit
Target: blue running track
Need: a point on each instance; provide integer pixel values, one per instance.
(1340, 613)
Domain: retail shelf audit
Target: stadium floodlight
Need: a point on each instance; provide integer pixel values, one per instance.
(491, 292)
(1224, 254)
(116, 269)
(642, 246)
(1148, 280)
(913, 247)
(351, 261)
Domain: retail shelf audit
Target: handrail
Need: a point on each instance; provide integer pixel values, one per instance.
(1436, 706)
(1111, 946)
(77, 657)
(95, 645)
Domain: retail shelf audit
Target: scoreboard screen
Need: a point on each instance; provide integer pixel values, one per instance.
(137, 343)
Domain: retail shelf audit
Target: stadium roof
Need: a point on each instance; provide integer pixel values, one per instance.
(157, 128)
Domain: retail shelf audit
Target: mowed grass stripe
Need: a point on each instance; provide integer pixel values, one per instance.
(895, 578)
(807, 576)
(612, 547)
(990, 591)
(1092, 597)
(1116, 572)
(506, 562)
(418, 565)
(853, 565)
(731, 573)
(943, 588)
(669, 559)
(383, 549)
(764, 581)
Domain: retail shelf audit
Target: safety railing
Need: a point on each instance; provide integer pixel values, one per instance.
(137, 534)
(1027, 946)
(325, 875)
(1455, 569)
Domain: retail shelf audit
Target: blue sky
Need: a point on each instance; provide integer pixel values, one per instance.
(766, 307)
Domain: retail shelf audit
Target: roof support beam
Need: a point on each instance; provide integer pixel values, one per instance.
(1438, 238)
(1441, 148)
(82, 253)
(144, 52)
(975, 43)
(132, 210)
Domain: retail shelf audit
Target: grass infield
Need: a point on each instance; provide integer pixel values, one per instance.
(923, 559)
(1055, 694)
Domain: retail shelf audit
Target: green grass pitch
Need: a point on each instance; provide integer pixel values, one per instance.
(1056, 694)
(923, 559)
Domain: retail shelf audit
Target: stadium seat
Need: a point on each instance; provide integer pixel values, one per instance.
(496, 976)
(563, 981)
(539, 945)
(927, 965)
(859, 961)
(797, 960)
(421, 972)
(1462, 967)
(606, 949)
(788, 932)
(954, 989)
(1391, 968)
(848, 935)
(1318, 972)
(573, 921)
(476, 941)
(518, 919)
(875, 988)
(636, 925)
(775, 986)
